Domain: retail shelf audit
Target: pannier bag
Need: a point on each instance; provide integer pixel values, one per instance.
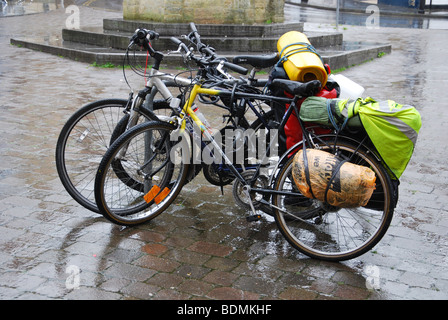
(293, 131)
(300, 59)
(329, 112)
(323, 176)
(392, 127)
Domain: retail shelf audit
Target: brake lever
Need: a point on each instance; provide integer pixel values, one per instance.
(220, 68)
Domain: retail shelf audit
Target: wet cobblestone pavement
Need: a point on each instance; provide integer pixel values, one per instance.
(202, 247)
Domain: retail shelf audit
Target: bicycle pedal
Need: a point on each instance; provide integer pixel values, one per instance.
(253, 218)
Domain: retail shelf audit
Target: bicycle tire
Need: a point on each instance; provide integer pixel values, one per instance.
(77, 168)
(321, 235)
(215, 174)
(147, 151)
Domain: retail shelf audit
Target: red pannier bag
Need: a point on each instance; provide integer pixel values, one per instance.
(293, 131)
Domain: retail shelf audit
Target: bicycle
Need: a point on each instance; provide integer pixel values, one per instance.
(88, 133)
(290, 216)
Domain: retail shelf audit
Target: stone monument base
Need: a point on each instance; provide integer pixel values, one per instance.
(246, 12)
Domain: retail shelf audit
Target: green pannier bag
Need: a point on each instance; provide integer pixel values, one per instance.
(330, 112)
(392, 127)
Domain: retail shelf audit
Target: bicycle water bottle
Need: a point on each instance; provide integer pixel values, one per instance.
(201, 117)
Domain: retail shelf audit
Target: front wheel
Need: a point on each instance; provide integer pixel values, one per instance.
(330, 233)
(85, 138)
(153, 169)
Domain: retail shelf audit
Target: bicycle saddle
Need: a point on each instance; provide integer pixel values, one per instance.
(304, 89)
(257, 61)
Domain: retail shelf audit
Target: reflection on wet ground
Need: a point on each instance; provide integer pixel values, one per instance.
(25, 7)
(20, 7)
(293, 13)
(202, 247)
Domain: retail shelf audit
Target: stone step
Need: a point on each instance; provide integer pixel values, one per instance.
(108, 44)
(344, 55)
(205, 30)
(120, 40)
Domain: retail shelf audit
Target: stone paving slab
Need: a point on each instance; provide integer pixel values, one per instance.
(202, 247)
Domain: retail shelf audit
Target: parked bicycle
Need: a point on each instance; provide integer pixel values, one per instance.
(88, 133)
(144, 170)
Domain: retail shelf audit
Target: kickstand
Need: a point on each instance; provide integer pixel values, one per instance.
(220, 183)
(255, 216)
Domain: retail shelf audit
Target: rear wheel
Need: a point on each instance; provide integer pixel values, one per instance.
(330, 233)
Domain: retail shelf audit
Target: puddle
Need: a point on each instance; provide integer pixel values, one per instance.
(25, 7)
(295, 13)
(20, 7)
(348, 46)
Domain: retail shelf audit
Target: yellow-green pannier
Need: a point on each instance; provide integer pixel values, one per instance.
(392, 127)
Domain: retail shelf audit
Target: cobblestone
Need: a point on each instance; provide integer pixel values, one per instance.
(209, 252)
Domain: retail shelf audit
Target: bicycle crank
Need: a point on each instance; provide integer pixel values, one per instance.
(244, 196)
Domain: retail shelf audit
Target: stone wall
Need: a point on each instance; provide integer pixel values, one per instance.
(205, 11)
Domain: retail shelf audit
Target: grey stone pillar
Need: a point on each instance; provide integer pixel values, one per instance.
(205, 11)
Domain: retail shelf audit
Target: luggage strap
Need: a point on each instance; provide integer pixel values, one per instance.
(307, 170)
(335, 172)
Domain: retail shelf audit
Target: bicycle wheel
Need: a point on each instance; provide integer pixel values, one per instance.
(85, 138)
(330, 233)
(155, 167)
(218, 174)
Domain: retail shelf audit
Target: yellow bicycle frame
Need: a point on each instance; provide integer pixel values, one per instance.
(197, 89)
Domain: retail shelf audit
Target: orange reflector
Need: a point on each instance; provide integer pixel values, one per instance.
(162, 195)
(151, 194)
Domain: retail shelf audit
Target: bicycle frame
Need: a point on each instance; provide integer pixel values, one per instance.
(156, 83)
(188, 111)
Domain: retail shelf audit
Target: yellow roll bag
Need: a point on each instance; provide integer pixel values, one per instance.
(300, 60)
(350, 186)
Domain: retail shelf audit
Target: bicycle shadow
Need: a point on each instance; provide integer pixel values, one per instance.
(257, 249)
(87, 251)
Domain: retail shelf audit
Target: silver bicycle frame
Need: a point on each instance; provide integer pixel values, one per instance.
(157, 81)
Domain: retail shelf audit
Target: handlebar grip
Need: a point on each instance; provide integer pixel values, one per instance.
(142, 36)
(154, 35)
(209, 52)
(175, 40)
(193, 27)
(197, 38)
(142, 33)
(236, 68)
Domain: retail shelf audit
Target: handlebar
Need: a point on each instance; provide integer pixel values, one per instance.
(235, 67)
(204, 49)
(143, 33)
(196, 39)
(180, 44)
(210, 57)
(142, 37)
